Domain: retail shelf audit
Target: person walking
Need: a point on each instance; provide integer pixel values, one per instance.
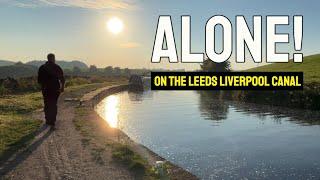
(51, 80)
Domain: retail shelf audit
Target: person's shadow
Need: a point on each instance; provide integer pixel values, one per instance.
(12, 160)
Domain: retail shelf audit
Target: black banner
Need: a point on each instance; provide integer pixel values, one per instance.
(226, 80)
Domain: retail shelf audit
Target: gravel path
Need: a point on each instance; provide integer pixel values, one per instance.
(60, 154)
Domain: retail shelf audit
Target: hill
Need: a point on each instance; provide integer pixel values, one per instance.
(310, 67)
(63, 64)
(18, 70)
(6, 63)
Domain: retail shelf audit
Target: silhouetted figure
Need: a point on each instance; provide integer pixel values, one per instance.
(51, 79)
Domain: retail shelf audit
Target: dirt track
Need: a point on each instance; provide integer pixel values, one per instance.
(60, 154)
(64, 153)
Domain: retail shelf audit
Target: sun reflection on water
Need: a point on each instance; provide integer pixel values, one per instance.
(109, 110)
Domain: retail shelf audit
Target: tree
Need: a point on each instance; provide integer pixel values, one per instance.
(93, 69)
(108, 70)
(18, 63)
(127, 71)
(76, 70)
(209, 66)
(117, 71)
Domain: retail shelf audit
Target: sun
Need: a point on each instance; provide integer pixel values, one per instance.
(115, 25)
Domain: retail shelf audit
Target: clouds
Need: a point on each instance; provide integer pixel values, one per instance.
(130, 45)
(92, 4)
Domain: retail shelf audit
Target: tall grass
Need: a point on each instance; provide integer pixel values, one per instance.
(17, 127)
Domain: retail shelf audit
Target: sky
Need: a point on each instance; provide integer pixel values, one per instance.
(76, 29)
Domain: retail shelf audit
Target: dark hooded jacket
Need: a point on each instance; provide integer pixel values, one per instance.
(50, 77)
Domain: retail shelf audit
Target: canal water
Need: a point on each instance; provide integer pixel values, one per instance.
(216, 139)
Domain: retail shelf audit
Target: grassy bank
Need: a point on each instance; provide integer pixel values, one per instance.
(103, 140)
(309, 98)
(17, 126)
(310, 67)
(17, 123)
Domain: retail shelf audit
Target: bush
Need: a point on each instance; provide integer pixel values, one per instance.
(28, 84)
(3, 90)
(124, 155)
(76, 81)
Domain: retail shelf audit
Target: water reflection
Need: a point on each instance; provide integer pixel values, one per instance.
(251, 142)
(138, 96)
(212, 107)
(298, 116)
(108, 109)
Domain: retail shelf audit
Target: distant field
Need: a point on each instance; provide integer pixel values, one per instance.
(310, 67)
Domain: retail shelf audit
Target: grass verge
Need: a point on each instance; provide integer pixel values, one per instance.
(310, 68)
(121, 152)
(17, 126)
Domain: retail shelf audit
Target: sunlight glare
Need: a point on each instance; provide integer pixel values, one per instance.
(115, 25)
(111, 110)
